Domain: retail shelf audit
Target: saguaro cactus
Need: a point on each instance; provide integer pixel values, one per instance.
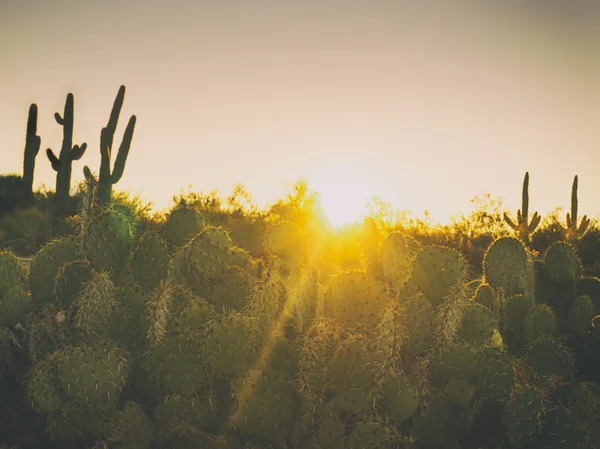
(107, 177)
(524, 228)
(68, 153)
(32, 148)
(574, 233)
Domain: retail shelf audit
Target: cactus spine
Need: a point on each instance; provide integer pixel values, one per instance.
(573, 232)
(107, 177)
(68, 153)
(32, 148)
(524, 228)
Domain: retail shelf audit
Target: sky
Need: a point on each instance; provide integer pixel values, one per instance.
(423, 106)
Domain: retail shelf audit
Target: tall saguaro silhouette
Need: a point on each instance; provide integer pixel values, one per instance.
(32, 148)
(108, 177)
(62, 165)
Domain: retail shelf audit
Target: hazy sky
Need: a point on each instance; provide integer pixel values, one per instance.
(426, 107)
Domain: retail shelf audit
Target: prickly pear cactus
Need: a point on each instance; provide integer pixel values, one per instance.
(524, 417)
(182, 225)
(581, 315)
(508, 266)
(562, 263)
(92, 375)
(131, 427)
(150, 261)
(355, 301)
(285, 240)
(399, 399)
(46, 265)
(70, 281)
(267, 406)
(477, 325)
(436, 270)
(107, 242)
(396, 260)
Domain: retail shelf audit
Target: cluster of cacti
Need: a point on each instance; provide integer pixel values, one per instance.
(178, 338)
(22, 186)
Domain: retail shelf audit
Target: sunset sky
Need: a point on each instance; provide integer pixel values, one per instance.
(426, 107)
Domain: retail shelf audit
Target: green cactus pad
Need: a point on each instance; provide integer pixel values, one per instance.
(70, 282)
(107, 242)
(177, 367)
(131, 427)
(177, 414)
(12, 271)
(43, 390)
(399, 399)
(486, 296)
(182, 225)
(524, 417)
(562, 263)
(460, 391)
(266, 408)
(516, 310)
(419, 320)
(541, 322)
(373, 435)
(229, 346)
(477, 324)
(495, 374)
(46, 265)
(396, 260)
(150, 260)
(15, 304)
(355, 301)
(94, 375)
(549, 357)
(581, 315)
(436, 270)
(507, 265)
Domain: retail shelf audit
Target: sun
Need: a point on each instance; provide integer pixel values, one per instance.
(342, 201)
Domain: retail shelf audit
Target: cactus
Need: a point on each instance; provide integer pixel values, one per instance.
(436, 270)
(572, 230)
(108, 177)
(150, 261)
(562, 263)
(94, 375)
(524, 228)
(355, 301)
(507, 265)
(131, 427)
(88, 198)
(541, 322)
(523, 416)
(32, 148)
(62, 165)
(581, 315)
(399, 400)
(107, 242)
(182, 225)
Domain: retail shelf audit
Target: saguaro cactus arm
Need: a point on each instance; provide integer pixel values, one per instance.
(572, 230)
(524, 227)
(107, 177)
(32, 148)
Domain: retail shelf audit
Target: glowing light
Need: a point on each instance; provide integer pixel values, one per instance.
(343, 198)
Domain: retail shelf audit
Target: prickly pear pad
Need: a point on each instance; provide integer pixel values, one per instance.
(507, 265)
(436, 270)
(182, 225)
(562, 263)
(94, 375)
(107, 242)
(355, 301)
